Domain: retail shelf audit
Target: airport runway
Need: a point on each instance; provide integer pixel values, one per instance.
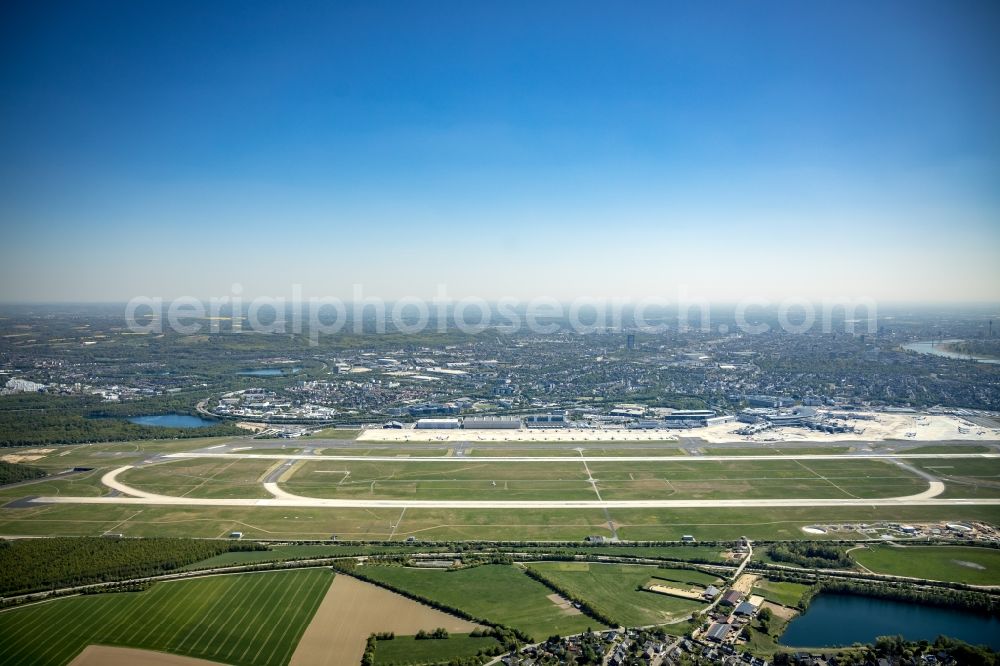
(566, 459)
(491, 504)
(284, 499)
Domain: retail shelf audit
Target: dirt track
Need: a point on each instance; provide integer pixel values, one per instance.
(352, 610)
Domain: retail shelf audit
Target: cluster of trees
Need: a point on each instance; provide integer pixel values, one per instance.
(934, 596)
(120, 587)
(810, 554)
(438, 634)
(937, 593)
(507, 639)
(585, 607)
(35, 420)
(764, 618)
(12, 473)
(73, 423)
(481, 559)
(506, 643)
(591, 650)
(29, 565)
(368, 658)
(897, 650)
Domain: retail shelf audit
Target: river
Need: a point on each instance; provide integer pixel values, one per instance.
(938, 349)
(269, 372)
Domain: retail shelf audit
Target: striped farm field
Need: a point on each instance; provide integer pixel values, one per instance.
(254, 618)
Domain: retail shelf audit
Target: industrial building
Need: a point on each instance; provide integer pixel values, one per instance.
(546, 421)
(648, 424)
(492, 422)
(798, 416)
(431, 409)
(695, 418)
(438, 424)
(629, 411)
(690, 415)
(768, 401)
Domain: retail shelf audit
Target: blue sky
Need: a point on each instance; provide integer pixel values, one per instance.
(502, 149)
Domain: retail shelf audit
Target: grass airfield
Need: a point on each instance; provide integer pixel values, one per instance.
(477, 471)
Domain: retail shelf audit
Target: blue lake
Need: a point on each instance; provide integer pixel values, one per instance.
(838, 620)
(172, 421)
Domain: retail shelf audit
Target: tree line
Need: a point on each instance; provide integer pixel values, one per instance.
(509, 637)
(977, 601)
(811, 554)
(897, 650)
(585, 607)
(13, 473)
(29, 565)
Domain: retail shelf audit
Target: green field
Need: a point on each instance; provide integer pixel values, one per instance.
(680, 479)
(334, 433)
(780, 592)
(408, 651)
(671, 479)
(459, 524)
(201, 477)
(383, 451)
(518, 449)
(964, 477)
(238, 619)
(624, 450)
(950, 448)
(499, 593)
(80, 484)
(961, 564)
(774, 523)
(462, 479)
(769, 451)
(612, 590)
(685, 576)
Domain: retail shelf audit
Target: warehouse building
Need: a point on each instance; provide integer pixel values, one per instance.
(768, 401)
(546, 421)
(438, 424)
(492, 422)
(431, 409)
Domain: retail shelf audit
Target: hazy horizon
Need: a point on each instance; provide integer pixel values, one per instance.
(778, 150)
